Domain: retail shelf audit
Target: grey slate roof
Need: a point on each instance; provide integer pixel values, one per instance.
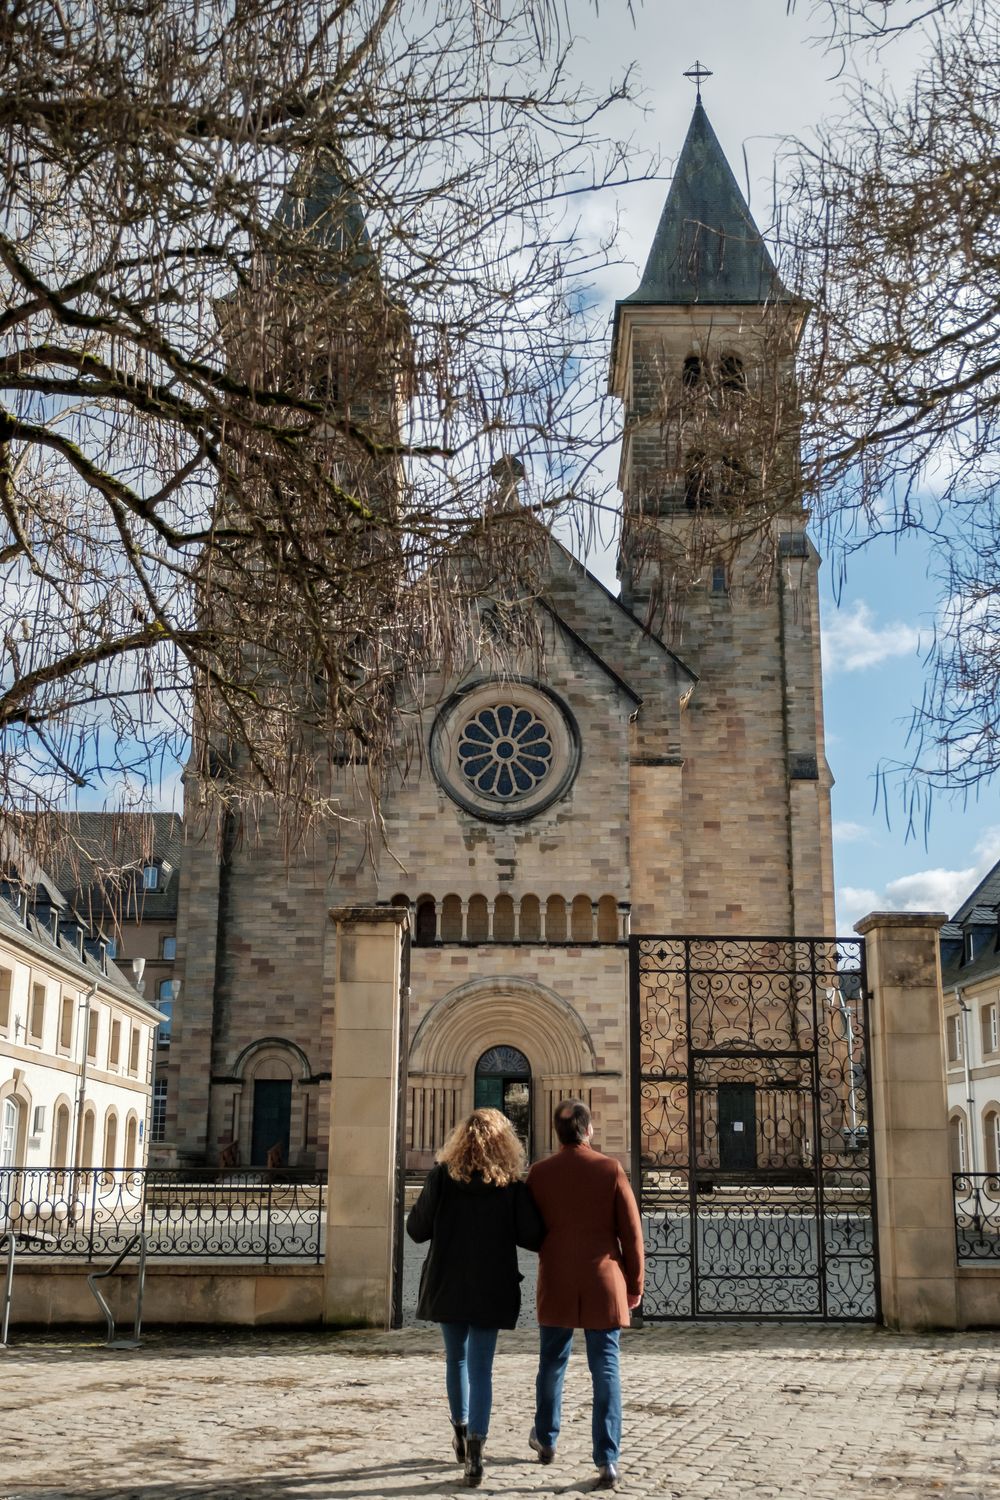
(98, 858)
(707, 248)
(986, 893)
(320, 201)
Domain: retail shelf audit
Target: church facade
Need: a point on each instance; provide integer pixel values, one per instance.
(658, 766)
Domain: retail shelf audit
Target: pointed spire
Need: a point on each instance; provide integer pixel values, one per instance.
(320, 201)
(707, 248)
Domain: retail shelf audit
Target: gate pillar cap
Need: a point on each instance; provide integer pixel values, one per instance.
(935, 919)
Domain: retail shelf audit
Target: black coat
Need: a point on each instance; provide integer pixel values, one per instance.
(470, 1274)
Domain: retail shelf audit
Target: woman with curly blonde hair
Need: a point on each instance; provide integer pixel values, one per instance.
(475, 1210)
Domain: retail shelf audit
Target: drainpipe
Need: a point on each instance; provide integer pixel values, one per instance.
(966, 1011)
(81, 1091)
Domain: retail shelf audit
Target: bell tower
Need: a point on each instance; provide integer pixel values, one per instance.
(715, 557)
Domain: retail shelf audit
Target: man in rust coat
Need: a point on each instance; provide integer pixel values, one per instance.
(590, 1271)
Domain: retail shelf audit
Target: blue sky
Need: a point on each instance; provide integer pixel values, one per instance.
(772, 79)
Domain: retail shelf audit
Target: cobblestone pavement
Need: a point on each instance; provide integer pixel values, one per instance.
(711, 1410)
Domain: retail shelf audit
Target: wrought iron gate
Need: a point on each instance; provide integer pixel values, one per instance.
(751, 1152)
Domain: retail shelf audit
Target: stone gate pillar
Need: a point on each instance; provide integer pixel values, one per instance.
(366, 1113)
(909, 1121)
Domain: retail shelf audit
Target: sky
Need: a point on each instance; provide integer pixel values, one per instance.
(772, 78)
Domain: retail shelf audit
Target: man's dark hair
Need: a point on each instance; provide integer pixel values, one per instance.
(572, 1121)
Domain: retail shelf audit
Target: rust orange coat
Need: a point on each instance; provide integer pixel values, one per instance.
(591, 1260)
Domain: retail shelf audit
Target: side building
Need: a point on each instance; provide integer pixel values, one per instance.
(970, 978)
(121, 872)
(76, 1039)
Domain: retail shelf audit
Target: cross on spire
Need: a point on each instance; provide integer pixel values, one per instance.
(696, 74)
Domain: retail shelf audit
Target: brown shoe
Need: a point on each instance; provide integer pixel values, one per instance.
(545, 1453)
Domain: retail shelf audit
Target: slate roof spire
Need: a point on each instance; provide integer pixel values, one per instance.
(320, 201)
(707, 248)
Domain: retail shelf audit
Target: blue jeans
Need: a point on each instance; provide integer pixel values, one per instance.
(468, 1374)
(602, 1357)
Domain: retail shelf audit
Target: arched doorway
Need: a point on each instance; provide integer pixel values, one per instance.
(503, 1082)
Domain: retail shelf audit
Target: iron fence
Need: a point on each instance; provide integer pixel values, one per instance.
(207, 1212)
(977, 1215)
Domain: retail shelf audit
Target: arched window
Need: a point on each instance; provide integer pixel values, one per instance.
(10, 1132)
(478, 929)
(426, 933)
(959, 1149)
(87, 1146)
(734, 480)
(991, 1139)
(531, 919)
(131, 1140)
(697, 480)
(451, 919)
(555, 920)
(582, 920)
(110, 1138)
(732, 376)
(503, 919)
(693, 373)
(60, 1147)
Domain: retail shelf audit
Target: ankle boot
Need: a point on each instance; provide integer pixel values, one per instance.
(458, 1441)
(474, 1460)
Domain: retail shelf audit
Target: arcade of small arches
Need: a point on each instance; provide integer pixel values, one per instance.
(526, 919)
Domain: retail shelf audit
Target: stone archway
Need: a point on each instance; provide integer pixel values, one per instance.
(501, 1011)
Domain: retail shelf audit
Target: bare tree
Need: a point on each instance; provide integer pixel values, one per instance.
(895, 226)
(280, 282)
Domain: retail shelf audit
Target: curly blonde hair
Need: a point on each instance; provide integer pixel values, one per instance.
(484, 1143)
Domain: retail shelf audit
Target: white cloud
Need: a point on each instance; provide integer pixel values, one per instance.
(853, 641)
(935, 889)
(852, 833)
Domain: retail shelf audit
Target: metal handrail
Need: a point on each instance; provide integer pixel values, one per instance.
(111, 1342)
(8, 1292)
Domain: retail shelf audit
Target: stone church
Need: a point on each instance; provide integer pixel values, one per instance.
(662, 772)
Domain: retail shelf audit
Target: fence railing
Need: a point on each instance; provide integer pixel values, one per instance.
(256, 1215)
(977, 1215)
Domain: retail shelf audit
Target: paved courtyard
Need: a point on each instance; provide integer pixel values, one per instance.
(712, 1410)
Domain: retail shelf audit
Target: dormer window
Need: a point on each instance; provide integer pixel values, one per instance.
(970, 946)
(151, 877)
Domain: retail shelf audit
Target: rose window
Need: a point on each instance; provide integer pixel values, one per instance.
(505, 751)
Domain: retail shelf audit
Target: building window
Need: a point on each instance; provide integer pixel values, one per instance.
(953, 1025)
(732, 376)
(9, 1130)
(505, 751)
(6, 979)
(111, 947)
(720, 583)
(693, 372)
(66, 1024)
(158, 1116)
(168, 948)
(93, 1024)
(990, 1024)
(114, 1045)
(36, 1015)
(991, 1139)
(60, 1156)
(151, 877)
(959, 1151)
(165, 1003)
(133, 1051)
